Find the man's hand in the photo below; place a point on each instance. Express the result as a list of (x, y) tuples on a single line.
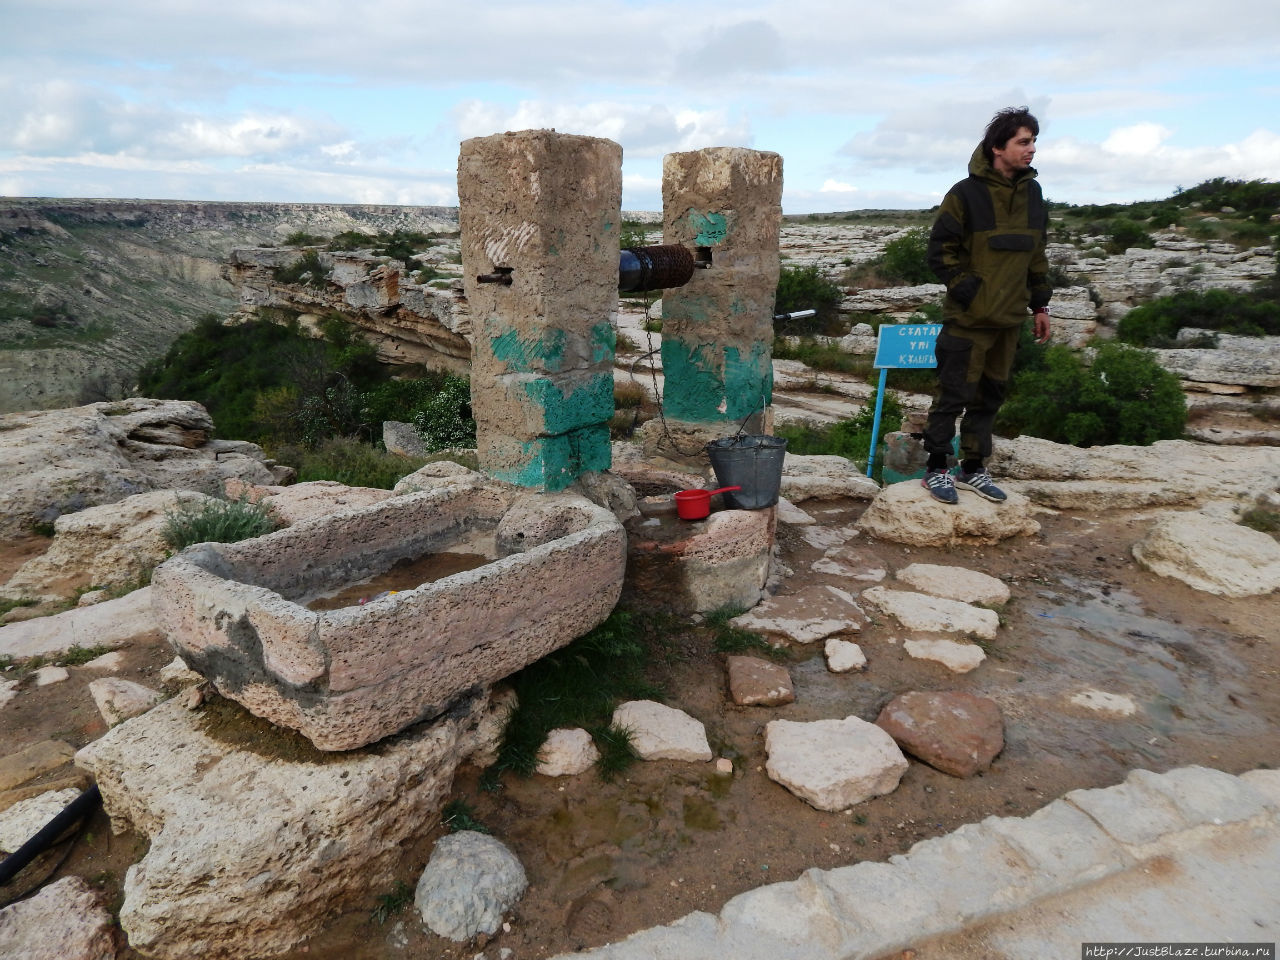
[(1041, 326)]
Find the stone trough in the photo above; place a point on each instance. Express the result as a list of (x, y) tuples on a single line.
[(346, 677)]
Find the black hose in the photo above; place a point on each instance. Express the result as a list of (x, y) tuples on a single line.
[(77, 809)]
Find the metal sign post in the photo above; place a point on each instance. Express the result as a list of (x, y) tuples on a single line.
[(900, 346)]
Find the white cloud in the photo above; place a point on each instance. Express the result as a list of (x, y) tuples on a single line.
[(835, 186), (1139, 140), (643, 130)]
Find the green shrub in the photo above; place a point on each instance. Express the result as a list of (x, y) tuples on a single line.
[(1156, 324), (576, 686), (351, 240), (850, 438), (306, 270), (635, 234), (805, 288), (445, 419), (821, 356), (349, 461), (1124, 397), (905, 259), (1123, 233), (300, 238), (216, 521)]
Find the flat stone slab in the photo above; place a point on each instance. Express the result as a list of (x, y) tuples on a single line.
[(346, 677), (659, 732), (812, 613), (833, 764), (32, 761), (907, 513), (952, 731), (256, 837), (66, 920), (759, 683), (22, 821), (843, 656), (955, 656), (1212, 554), (113, 623), (824, 477), (927, 614), (955, 583)]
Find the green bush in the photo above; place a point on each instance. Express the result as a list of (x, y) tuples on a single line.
[(349, 461), (905, 259), (300, 238), (1123, 233), (805, 288), (1124, 397), (216, 521), (445, 419), (306, 270), (850, 438), (1156, 324)]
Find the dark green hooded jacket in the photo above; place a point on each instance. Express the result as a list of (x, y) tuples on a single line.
[(987, 246)]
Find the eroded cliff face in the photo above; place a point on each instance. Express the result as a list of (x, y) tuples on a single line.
[(92, 289), (408, 322)]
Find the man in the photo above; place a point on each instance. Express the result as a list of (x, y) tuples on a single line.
[(987, 246)]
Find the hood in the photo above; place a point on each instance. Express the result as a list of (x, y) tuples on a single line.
[(981, 168)]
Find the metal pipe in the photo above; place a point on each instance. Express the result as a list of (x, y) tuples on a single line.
[(76, 810), (794, 315)]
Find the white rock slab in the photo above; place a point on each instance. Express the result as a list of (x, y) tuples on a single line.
[(471, 880), (955, 583), (906, 513), (177, 673), (8, 690), (110, 624), (65, 921), (824, 477), (567, 753), (119, 699), (812, 613), (843, 656), (788, 512), (26, 818), (47, 675), (955, 656), (832, 567), (659, 732), (926, 614), (833, 764), (108, 661), (1211, 554), (1115, 704)]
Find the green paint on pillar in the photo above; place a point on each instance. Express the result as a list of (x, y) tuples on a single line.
[(694, 382), (529, 355), (709, 228), (748, 384), (604, 344), (553, 463), (591, 403)]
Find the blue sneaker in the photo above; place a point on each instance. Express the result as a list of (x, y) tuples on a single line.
[(980, 482), (941, 485)]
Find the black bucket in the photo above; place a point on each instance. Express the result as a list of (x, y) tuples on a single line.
[(753, 463)]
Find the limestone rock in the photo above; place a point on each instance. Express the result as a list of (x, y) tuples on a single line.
[(26, 818), (437, 473), (110, 624), (1211, 554), (33, 760), (1099, 701), (107, 662), (471, 880), (1167, 473), (403, 438), (54, 462), (659, 732), (907, 513), (956, 657), (926, 614), (1247, 361), (955, 583), (8, 690), (47, 675), (176, 673), (843, 656), (824, 477), (813, 613), (108, 545), (253, 849), (758, 683), (567, 753), (316, 498), (957, 733), (120, 699), (64, 921), (833, 764), (788, 512)]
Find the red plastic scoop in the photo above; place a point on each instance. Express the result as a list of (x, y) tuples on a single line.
[(696, 504)]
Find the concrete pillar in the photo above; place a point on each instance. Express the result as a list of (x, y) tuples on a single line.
[(717, 330), (545, 207)]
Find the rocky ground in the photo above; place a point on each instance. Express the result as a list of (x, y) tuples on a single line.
[(1199, 673)]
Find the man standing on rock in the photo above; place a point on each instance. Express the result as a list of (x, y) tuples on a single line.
[(988, 247)]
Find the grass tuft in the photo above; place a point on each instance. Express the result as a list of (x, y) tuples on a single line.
[(731, 639), (617, 753), (460, 815), (218, 521), (389, 904)]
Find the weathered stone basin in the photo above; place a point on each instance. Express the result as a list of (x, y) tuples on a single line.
[(347, 677)]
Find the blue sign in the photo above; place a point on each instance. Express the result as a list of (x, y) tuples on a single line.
[(906, 345)]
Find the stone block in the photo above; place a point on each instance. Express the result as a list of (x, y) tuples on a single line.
[(833, 764), (758, 683), (347, 677), (955, 583), (659, 732), (906, 513), (64, 921), (952, 731), (927, 614), (1064, 848)]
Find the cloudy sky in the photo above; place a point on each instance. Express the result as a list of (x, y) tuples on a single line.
[(870, 104)]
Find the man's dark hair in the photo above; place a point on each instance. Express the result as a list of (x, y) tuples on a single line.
[(1005, 125)]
